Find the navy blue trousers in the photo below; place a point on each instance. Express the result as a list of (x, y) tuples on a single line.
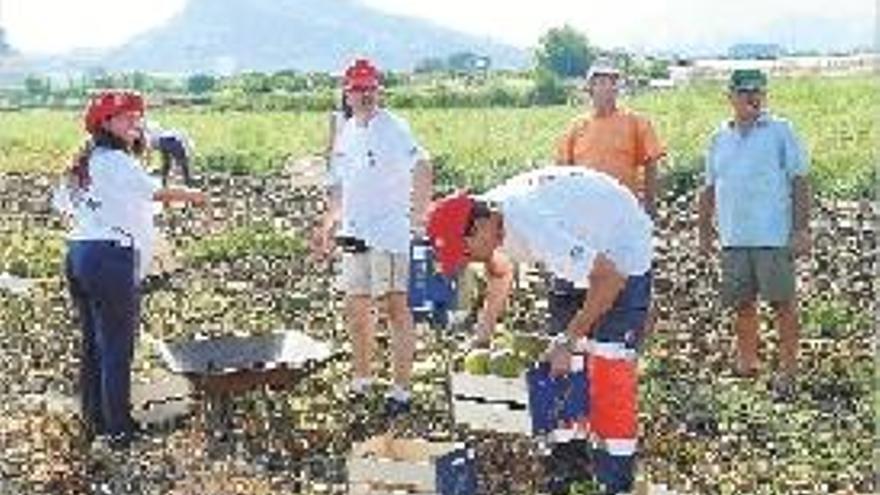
[(104, 287)]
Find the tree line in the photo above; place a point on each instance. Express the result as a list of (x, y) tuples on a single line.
[(462, 79)]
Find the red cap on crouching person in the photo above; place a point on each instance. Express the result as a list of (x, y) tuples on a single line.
[(108, 103), (362, 74), (447, 222)]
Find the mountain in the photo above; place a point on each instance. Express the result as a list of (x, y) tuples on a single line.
[(223, 36), (5, 49)]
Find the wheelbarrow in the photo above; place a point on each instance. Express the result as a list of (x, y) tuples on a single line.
[(222, 367), (237, 364)]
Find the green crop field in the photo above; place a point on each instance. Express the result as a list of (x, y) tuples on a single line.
[(837, 118), (244, 270)]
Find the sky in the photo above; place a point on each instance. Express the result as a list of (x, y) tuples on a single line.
[(634, 24), (72, 22)]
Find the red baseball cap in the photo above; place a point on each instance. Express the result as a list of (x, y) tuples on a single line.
[(361, 74), (108, 103), (447, 222)]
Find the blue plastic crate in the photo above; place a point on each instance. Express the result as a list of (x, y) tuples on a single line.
[(431, 294), (555, 400), (457, 473)]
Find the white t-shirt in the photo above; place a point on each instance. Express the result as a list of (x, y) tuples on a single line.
[(117, 205), (373, 164), (562, 217)]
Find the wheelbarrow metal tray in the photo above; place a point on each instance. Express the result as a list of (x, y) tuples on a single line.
[(237, 364), (290, 350)]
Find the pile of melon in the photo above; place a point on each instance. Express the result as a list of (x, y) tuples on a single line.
[(508, 356)]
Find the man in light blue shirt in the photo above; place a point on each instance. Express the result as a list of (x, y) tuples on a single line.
[(756, 188)]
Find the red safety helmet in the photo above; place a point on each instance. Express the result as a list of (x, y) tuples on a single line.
[(447, 222), (362, 74), (108, 103)]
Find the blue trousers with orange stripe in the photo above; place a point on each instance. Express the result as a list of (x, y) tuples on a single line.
[(611, 377)]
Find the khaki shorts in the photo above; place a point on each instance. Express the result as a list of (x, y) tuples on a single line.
[(374, 273), (748, 272)]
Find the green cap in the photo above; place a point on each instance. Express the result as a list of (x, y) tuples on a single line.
[(748, 79)]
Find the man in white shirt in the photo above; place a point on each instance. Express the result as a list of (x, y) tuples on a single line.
[(584, 227), (379, 190)]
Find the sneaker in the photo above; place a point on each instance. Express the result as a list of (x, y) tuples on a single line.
[(155, 283), (361, 387), (123, 440), (359, 403), (91, 429)]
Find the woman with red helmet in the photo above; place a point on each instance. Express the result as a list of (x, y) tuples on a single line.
[(109, 198)]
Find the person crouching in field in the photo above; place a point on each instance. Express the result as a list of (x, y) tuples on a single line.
[(109, 198), (380, 187), (586, 228), (175, 148)]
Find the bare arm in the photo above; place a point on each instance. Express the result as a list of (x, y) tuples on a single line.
[(423, 187), (564, 148), (499, 274), (705, 213), (331, 135), (333, 213), (802, 197), (321, 243), (651, 188), (606, 283)]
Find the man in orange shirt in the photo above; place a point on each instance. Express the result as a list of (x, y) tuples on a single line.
[(613, 140), (617, 142)]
